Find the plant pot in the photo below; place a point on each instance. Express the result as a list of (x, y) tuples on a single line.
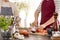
[(1, 38), (6, 35)]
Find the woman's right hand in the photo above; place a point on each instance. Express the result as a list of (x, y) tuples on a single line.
[(36, 23)]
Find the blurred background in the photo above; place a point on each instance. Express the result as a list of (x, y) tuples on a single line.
[(27, 8)]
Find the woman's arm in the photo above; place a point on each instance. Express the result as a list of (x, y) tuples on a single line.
[(15, 9), (36, 15)]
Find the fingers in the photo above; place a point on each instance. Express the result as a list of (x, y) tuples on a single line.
[(36, 23)]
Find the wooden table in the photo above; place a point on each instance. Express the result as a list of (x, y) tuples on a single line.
[(55, 38), (37, 37)]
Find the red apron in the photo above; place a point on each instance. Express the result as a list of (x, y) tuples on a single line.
[(47, 9)]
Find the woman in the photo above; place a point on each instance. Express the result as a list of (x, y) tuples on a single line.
[(7, 8), (47, 9)]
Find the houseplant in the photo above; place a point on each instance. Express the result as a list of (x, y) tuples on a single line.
[(5, 22)]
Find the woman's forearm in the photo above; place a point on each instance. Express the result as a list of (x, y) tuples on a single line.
[(36, 15)]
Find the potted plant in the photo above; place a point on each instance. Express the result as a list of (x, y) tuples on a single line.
[(5, 22)]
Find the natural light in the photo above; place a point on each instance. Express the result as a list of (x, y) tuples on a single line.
[(33, 4)]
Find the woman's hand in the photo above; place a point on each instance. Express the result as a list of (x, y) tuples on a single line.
[(36, 23)]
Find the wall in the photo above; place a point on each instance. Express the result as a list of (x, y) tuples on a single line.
[(57, 4)]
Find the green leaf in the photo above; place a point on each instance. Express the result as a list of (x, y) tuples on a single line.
[(5, 23)]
